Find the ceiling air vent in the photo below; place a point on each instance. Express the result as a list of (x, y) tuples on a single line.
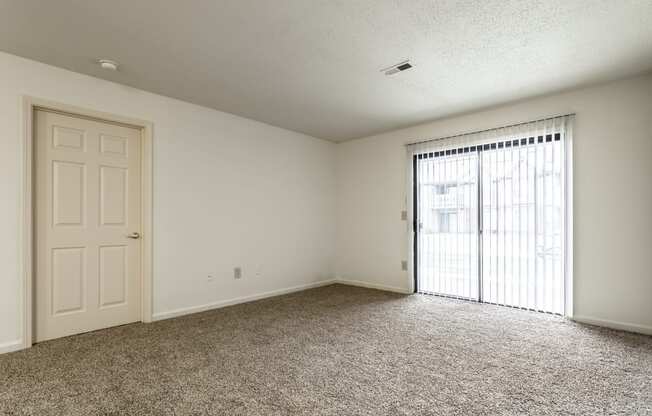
[(399, 67)]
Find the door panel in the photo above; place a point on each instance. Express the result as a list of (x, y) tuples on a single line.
[(113, 275), (68, 276), (68, 193), (522, 208), (87, 200), (66, 138), (113, 195), (448, 236), (113, 145)]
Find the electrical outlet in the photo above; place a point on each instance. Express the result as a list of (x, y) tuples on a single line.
[(237, 273), (209, 278), (404, 265), (404, 215)]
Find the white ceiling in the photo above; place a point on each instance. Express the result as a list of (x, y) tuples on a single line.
[(313, 66)]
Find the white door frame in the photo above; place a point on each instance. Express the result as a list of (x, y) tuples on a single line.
[(26, 222)]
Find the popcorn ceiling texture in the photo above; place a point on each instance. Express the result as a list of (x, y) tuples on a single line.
[(337, 350), (314, 66)]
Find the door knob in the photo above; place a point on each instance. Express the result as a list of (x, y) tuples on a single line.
[(135, 236)]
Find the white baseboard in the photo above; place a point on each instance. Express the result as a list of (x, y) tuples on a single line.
[(361, 283), (18, 345), (11, 346), (159, 316), (623, 326), (234, 301)]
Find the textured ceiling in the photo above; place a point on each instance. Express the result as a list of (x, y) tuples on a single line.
[(314, 66)]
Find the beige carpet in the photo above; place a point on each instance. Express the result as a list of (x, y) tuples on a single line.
[(337, 350)]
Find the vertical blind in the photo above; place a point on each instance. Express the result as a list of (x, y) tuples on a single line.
[(490, 215)]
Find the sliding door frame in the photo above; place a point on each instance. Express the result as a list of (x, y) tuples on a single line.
[(415, 225), (567, 238)]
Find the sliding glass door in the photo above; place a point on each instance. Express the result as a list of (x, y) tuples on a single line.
[(522, 226), (490, 220)]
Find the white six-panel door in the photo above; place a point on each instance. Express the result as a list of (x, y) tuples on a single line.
[(87, 216)]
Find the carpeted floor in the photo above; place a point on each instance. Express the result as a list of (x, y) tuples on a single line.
[(337, 350)]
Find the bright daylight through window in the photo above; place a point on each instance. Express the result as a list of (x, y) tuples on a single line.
[(490, 215)]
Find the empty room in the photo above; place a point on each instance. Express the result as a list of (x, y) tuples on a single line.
[(325, 207)]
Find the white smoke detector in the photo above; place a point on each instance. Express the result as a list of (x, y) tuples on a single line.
[(108, 64)]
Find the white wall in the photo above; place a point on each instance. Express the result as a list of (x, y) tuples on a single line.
[(228, 192), (612, 198)]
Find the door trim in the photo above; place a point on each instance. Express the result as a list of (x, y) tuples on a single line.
[(26, 222)]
